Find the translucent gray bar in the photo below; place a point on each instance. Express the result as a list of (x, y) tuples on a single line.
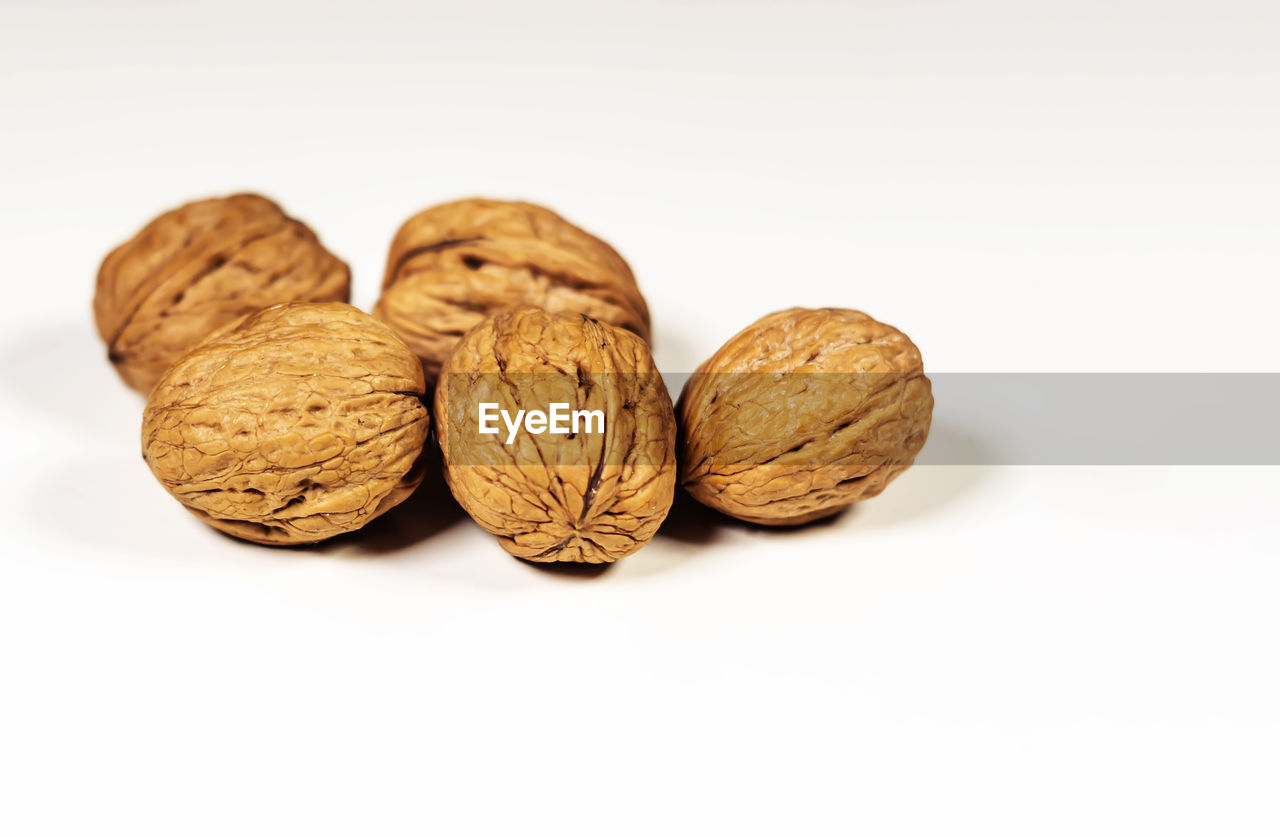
[(1100, 418)]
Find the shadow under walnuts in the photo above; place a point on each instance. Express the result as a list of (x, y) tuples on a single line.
[(431, 510), (690, 522), (427, 512), (931, 487), (569, 570)]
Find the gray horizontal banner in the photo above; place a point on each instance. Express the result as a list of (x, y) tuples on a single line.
[(808, 419), (1099, 418)]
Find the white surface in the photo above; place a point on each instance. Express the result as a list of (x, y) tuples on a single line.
[(1020, 186)]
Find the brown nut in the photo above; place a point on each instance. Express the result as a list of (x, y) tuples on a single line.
[(453, 265), (295, 424), (801, 414), (592, 494), (198, 267)]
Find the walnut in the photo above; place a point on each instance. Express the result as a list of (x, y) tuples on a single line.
[(452, 265), (594, 492), (801, 414), (201, 266), (292, 425)]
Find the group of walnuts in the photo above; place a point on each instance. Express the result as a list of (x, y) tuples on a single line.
[(280, 414)]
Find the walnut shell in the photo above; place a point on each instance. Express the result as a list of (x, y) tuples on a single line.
[(589, 496), (198, 267), (801, 414), (453, 265), (297, 423)]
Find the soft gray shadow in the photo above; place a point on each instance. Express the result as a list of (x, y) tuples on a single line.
[(691, 522), (112, 504), (694, 532), (689, 526), (62, 371), (922, 491), (930, 488), (687, 530), (571, 570), (960, 462), (428, 512)]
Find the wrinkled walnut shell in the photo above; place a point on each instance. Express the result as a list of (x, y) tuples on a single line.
[(802, 414), (588, 497), (199, 267), (296, 424), (455, 264)]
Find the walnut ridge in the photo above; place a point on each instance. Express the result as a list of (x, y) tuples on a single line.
[(801, 414), (586, 497), (198, 267), (452, 265), (292, 425)]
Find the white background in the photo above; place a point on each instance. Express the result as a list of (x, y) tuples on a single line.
[(1021, 186)]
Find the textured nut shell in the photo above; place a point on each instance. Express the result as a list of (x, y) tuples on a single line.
[(801, 414), (592, 498), (453, 265), (298, 423), (199, 267)]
